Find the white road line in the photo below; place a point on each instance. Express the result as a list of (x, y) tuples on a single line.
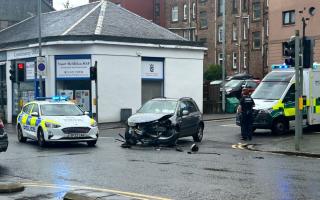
[(229, 125)]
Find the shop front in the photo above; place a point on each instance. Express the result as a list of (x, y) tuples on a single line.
[(73, 79)]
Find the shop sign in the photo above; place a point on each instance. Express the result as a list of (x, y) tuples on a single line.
[(73, 68), (23, 53), (152, 70), (3, 56)]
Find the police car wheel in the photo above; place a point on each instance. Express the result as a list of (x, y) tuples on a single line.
[(20, 135), (40, 136), (199, 135), (92, 143)]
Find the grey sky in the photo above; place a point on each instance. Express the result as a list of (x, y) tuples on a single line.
[(58, 4)]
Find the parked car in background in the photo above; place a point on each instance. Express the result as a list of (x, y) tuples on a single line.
[(164, 120), (242, 76), (250, 86), (3, 138)]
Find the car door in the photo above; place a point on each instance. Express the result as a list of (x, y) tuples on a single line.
[(33, 119), (184, 121), (23, 119), (289, 102), (194, 116)]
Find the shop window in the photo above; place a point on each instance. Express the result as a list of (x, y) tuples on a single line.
[(288, 17)]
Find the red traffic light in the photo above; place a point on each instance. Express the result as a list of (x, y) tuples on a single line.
[(20, 66)]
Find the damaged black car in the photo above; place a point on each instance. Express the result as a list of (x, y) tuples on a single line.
[(163, 121)]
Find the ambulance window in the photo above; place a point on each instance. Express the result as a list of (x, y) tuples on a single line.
[(290, 96)]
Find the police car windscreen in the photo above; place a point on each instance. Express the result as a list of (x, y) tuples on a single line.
[(60, 110)]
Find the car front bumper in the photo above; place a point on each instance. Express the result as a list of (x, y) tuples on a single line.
[(4, 142), (57, 135)]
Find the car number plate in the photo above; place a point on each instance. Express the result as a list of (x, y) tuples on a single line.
[(77, 135)]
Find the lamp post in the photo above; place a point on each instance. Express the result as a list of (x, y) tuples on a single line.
[(40, 49)]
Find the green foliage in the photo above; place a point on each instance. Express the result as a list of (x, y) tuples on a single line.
[(214, 72)]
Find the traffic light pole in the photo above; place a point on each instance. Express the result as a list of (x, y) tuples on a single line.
[(40, 48), (298, 94)]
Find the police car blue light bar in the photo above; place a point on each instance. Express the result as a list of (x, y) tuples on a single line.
[(54, 98), (281, 66)]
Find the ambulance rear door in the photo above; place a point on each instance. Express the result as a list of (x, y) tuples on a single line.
[(314, 110)]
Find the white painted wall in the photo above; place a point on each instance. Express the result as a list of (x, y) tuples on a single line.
[(184, 78)]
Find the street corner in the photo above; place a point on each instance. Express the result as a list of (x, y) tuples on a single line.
[(10, 187)]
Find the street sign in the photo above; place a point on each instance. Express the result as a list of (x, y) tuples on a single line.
[(41, 65)]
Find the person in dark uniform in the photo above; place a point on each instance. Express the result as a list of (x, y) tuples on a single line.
[(247, 104)]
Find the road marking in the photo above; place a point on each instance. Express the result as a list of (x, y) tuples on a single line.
[(229, 125), (119, 192)]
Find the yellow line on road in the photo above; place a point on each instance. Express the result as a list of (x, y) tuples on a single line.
[(123, 193)]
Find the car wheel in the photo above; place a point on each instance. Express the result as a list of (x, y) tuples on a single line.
[(92, 143), (21, 138), (41, 140), (199, 135), (280, 126)]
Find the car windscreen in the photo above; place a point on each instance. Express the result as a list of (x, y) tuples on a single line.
[(60, 110), (159, 106), (233, 83), (270, 90)]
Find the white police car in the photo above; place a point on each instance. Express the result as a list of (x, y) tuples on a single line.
[(56, 120)]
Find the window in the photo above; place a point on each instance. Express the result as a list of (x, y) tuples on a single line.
[(245, 60), (220, 33), (194, 10), (220, 61), (290, 96), (27, 108), (245, 5), (186, 34), (256, 10), (234, 60), (203, 19), (35, 108), (185, 12), (267, 2), (256, 40), (245, 28), (234, 32), (174, 14), (190, 106), (267, 27), (288, 17), (234, 6), (220, 8)]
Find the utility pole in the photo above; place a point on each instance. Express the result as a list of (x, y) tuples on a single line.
[(224, 55), (40, 48), (298, 94)]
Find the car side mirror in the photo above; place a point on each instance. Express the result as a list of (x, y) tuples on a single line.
[(35, 114), (185, 112), (86, 113)]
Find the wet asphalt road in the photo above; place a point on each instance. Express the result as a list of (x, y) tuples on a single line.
[(216, 172)]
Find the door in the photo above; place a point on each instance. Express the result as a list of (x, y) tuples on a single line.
[(289, 103), (25, 120), (151, 89), (188, 123), (33, 121)]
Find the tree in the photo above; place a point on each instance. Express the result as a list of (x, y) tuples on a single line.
[(214, 72)]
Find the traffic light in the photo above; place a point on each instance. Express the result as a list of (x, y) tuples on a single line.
[(93, 72), (308, 53), (20, 67), (12, 73), (289, 52)]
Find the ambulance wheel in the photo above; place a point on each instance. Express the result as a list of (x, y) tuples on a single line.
[(280, 126), (21, 138), (41, 140)]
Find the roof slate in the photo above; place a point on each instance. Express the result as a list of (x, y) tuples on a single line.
[(117, 23)]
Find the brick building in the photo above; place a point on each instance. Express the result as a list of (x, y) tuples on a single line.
[(285, 18), (152, 10), (246, 31)]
